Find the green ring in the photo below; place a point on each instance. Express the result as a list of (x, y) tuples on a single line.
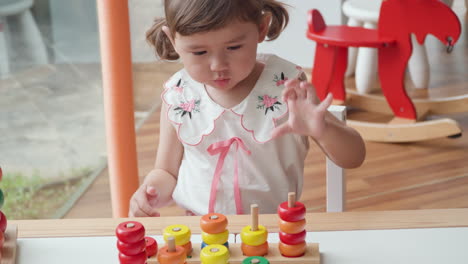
[(249, 260)]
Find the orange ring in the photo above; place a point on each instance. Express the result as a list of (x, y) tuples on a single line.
[(292, 250), (176, 257), (291, 227), (251, 251), (213, 226), (188, 248)]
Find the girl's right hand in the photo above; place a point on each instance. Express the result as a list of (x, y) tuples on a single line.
[(146, 200)]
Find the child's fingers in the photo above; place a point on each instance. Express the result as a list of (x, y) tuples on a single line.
[(286, 93), (141, 209), (296, 85), (291, 83), (144, 202), (323, 106), (290, 87), (281, 130), (301, 92), (311, 95), (290, 95), (151, 191)]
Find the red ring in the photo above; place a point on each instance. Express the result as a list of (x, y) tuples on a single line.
[(291, 214), (130, 235), (292, 239)]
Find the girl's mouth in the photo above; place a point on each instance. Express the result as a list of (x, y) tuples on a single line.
[(222, 81)]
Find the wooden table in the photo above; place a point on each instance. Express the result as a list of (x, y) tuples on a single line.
[(419, 236)]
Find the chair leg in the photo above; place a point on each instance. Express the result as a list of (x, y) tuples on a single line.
[(366, 67), (352, 52), (4, 63), (418, 65), (32, 37), (336, 178), (324, 66), (337, 80)]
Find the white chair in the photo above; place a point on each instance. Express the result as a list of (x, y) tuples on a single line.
[(27, 28), (363, 61)]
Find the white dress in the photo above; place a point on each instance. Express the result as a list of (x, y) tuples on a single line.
[(236, 145)]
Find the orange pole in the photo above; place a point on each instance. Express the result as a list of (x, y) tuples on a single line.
[(116, 59)]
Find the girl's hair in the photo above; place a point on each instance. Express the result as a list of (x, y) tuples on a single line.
[(188, 17)]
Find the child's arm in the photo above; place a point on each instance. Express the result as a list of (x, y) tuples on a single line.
[(156, 190), (307, 116)]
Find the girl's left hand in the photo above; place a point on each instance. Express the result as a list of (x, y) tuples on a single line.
[(306, 117)]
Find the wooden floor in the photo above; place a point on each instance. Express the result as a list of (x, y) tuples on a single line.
[(430, 174)]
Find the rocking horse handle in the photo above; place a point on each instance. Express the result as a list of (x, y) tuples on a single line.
[(315, 21)]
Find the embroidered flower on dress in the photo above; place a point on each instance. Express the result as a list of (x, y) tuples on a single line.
[(179, 87), (188, 107), (280, 80), (268, 103)]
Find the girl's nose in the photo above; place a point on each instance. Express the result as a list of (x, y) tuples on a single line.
[(219, 63)]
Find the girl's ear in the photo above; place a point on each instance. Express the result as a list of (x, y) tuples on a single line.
[(264, 26), (167, 31)]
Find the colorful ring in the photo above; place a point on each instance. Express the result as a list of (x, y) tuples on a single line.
[(214, 254), (181, 234), (254, 238), (260, 250), (291, 214), (213, 223), (219, 238)]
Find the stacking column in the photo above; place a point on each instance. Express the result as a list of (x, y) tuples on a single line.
[(131, 242), (292, 227), (254, 237), (181, 234), (214, 230)]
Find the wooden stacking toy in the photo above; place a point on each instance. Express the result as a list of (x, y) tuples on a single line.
[(253, 248), (181, 234), (172, 253), (254, 237), (291, 223), (131, 242), (214, 229)]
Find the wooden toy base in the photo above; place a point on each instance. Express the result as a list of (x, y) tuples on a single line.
[(406, 130), (9, 246), (311, 256)]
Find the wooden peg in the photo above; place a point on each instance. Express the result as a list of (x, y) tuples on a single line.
[(254, 215), (291, 199), (171, 245)]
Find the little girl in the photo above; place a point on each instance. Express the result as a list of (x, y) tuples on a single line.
[(234, 126)]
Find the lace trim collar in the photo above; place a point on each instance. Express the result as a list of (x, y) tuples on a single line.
[(194, 113)]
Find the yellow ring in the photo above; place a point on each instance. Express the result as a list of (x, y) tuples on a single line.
[(181, 234), (214, 254), (254, 238), (219, 238)]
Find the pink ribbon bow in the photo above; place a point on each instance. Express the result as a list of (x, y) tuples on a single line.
[(222, 148)]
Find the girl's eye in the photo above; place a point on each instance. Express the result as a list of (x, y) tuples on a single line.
[(198, 53), (235, 47)]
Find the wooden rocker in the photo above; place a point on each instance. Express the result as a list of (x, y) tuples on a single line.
[(397, 21)]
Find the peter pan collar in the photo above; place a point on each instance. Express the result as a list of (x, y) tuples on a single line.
[(194, 113)]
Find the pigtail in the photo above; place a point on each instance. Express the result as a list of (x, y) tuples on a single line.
[(159, 40), (279, 18)]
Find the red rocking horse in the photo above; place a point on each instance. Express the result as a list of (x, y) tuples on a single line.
[(397, 21)]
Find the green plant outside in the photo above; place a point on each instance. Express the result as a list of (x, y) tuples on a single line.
[(36, 197)]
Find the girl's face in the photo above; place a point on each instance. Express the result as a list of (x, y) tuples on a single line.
[(221, 58)]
